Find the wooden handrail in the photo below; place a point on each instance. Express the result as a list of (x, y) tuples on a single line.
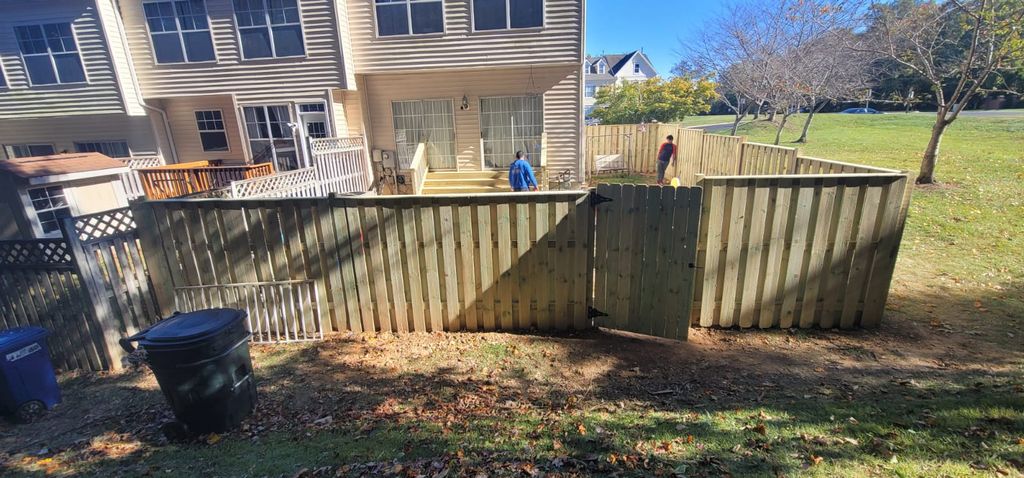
[(168, 182)]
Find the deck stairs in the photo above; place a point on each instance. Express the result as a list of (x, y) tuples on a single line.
[(466, 182)]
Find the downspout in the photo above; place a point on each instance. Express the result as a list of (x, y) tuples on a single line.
[(167, 128), (138, 87)]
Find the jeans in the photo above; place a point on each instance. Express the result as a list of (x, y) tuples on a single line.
[(662, 166)]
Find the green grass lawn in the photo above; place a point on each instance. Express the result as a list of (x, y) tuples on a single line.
[(707, 119), (938, 390)]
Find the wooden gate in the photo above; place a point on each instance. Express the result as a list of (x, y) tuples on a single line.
[(645, 258)]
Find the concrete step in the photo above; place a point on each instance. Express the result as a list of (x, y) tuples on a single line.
[(449, 189)]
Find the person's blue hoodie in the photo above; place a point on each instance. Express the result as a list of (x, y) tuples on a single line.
[(520, 175)]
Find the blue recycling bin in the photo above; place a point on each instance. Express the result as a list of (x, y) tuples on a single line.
[(28, 385)]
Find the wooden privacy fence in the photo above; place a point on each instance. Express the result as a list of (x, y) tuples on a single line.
[(482, 262), (798, 250)]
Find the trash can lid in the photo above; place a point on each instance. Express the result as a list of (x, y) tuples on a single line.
[(20, 335), (193, 325)]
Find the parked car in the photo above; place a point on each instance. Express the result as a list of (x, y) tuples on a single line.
[(861, 111)]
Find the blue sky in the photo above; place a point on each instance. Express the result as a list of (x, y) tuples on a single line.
[(657, 26)]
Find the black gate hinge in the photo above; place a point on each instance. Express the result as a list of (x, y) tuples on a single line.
[(596, 198), (594, 313)]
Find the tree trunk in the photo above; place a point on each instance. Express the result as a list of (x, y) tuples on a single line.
[(931, 153), (771, 115), (778, 132), (807, 122), (736, 123)]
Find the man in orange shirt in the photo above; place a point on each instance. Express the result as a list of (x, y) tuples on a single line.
[(666, 153)]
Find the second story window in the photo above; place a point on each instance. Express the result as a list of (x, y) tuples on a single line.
[(591, 91), (405, 17), (636, 68), (50, 54), (179, 31), (269, 28), (507, 14)]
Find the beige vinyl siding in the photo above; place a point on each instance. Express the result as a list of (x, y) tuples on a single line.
[(96, 195), (181, 116), (110, 20), (348, 113), (560, 86), (252, 80), (63, 132), (100, 95), (559, 41)]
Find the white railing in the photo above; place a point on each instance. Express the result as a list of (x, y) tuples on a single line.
[(284, 311), (341, 164), (290, 184), (130, 180)]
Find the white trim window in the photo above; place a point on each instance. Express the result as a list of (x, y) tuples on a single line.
[(601, 68), (271, 139), (50, 54), (409, 17), (50, 205), (28, 150), (431, 122), (179, 31), (113, 149), (590, 91), (509, 124), (507, 14), (636, 68), (212, 134), (269, 28)]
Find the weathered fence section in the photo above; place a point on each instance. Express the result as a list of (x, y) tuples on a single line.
[(799, 250), (644, 258), (39, 286), (284, 311), (392, 264), (110, 263)]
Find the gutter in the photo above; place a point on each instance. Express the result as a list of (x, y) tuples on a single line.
[(167, 128)]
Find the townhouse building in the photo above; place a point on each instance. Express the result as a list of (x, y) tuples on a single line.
[(603, 71), (253, 81)]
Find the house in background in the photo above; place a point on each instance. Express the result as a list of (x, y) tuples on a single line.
[(67, 84), (474, 81), (254, 81), (37, 192), (607, 70)]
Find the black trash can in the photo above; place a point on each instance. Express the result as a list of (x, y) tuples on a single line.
[(201, 360)]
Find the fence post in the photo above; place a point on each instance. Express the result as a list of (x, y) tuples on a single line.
[(99, 307)]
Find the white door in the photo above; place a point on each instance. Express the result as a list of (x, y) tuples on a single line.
[(271, 136), (314, 124)]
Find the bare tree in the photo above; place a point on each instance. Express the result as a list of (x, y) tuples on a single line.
[(825, 71), (961, 47)]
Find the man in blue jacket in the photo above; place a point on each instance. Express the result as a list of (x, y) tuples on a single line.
[(520, 174)]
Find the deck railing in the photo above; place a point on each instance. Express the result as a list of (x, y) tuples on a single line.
[(341, 164), (130, 180), (183, 179)]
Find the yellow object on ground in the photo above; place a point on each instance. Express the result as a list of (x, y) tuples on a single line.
[(675, 182)]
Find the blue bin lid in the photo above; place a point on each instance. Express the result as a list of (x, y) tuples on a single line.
[(19, 335), (193, 325)]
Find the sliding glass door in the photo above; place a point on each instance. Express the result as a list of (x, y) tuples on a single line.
[(431, 122), (509, 124), (271, 139)]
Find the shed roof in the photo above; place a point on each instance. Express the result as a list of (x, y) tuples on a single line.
[(55, 167)]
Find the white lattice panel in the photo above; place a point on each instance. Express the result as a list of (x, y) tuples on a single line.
[(94, 227), (272, 185), (334, 145)]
